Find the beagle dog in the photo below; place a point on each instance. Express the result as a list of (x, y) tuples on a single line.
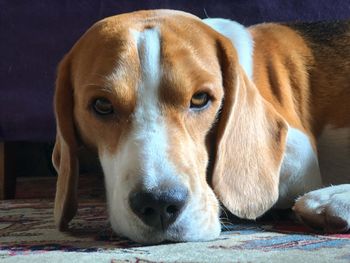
[(185, 113)]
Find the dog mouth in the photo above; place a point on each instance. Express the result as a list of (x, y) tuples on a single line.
[(187, 228), (184, 229), (168, 233), (152, 236)]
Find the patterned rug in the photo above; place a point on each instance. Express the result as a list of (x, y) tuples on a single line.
[(28, 234)]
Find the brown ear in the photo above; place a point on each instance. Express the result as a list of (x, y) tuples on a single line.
[(64, 156), (250, 143)]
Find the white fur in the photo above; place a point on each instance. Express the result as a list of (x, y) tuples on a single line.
[(142, 158), (240, 38), (149, 134), (334, 155), (324, 204), (299, 172)]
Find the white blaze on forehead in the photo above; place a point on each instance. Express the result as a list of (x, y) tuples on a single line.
[(149, 132), (148, 47)]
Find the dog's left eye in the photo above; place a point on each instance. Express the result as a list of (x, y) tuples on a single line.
[(102, 106), (199, 100)]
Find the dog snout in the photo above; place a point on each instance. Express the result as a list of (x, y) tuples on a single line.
[(159, 208)]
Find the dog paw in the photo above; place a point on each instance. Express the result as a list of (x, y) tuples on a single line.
[(326, 209)]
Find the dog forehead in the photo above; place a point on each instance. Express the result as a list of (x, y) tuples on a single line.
[(115, 52), (111, 39), (176, 28)]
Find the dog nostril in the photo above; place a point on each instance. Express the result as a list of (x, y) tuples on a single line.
[(172, 209), (149, 211)]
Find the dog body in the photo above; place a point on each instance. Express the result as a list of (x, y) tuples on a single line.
[(302, 69), (169, 102)]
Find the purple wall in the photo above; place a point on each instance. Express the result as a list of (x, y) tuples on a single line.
[(35, 34)]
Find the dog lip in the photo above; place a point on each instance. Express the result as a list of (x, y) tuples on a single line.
[(150, 235)]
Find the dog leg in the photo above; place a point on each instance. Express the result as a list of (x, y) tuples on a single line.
[(326, 209)]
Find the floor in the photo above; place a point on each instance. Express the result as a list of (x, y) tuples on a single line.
[(28, 234)]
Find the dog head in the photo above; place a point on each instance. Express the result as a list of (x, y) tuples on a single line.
[(160, 95)]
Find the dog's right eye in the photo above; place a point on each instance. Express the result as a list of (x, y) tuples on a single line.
[(103, 106)]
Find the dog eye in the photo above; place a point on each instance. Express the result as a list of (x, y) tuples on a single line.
[(103, 106), (199, 100)]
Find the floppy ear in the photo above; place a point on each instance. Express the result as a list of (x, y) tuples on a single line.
[(250, 143), (64, 155)]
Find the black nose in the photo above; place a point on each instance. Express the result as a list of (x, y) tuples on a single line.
[(159, 207)]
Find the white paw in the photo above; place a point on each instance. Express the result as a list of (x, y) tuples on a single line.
[(326, 209)]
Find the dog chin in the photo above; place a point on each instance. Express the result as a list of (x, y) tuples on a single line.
[(174, 233), (146, 236)]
